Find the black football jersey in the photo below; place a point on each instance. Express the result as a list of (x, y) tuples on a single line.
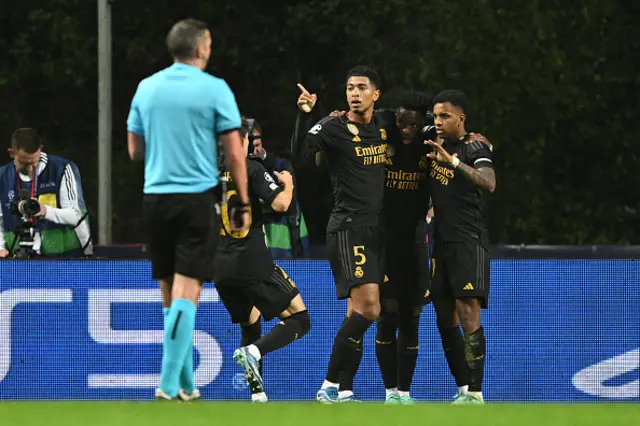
[(458, 202), (243, 256), (406, 188), (356, 155)]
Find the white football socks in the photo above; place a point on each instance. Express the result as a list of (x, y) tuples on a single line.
[(253, 350), (326, 384)]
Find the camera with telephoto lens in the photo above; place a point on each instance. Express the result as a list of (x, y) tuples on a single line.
[(26, 208)]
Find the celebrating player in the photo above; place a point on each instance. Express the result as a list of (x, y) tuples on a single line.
[(460, 175), (356, 155), (406, 284), (247, 280), (405, 288)]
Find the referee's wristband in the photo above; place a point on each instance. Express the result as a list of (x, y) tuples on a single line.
[(454, 162)]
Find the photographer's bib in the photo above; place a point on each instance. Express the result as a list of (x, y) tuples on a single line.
[(55, 239)]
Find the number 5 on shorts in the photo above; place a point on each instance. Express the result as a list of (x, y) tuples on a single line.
[(358, 252)]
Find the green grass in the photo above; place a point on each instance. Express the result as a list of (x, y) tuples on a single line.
[(303, 414)]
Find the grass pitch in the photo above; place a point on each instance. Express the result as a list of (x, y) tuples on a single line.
[(302, 414)]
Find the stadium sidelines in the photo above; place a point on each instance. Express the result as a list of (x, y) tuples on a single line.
[(558, 331)]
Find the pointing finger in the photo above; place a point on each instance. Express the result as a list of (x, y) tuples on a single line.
[(302, 89)]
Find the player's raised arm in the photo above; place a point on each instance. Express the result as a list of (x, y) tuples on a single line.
[(305, 141)]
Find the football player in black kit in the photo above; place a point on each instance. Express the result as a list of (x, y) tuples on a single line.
[(405, 206), (247, 280), (355, 151), (461, 174), (405, 287)]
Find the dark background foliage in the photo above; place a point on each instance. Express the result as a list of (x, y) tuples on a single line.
[(552, 84)]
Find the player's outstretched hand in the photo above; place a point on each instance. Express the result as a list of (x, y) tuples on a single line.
[(480, 138), (284, 178), (439, 153), (4, 253), (306, 100)]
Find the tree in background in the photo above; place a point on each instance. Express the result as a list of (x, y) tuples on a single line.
[(552, 84)]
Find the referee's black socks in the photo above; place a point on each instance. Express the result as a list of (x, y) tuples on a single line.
[(454, 351), (475, 348), (347, 349), (290, 329)]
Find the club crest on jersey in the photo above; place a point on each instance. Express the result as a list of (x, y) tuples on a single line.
[(423, 163), (354, 131), (391, 151), (383, 134)]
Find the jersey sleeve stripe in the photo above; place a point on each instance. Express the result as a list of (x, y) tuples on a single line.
[(477, 145), (326, 120)]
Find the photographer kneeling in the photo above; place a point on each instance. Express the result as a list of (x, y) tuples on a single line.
[(43, 211)]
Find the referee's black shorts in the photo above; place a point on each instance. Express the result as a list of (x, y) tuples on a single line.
[(183, 232), (271, 296), (356, 256)]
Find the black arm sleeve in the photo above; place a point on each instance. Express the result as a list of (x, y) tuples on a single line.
[(307, 140), (303, 124), (479, 155), (261, 183)]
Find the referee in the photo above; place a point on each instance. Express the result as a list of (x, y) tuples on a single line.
[(174, 118)]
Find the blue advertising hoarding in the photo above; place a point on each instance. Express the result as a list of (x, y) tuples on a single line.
[(557, 331)]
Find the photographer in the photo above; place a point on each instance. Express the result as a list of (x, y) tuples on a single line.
[(42, 206), (286, 233)]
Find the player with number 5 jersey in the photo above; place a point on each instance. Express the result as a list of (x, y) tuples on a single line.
[(356, 153)]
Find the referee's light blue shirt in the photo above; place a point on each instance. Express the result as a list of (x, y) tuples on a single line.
[(179, 111)]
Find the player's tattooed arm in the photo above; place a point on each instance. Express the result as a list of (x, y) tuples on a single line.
[(484, 177)]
